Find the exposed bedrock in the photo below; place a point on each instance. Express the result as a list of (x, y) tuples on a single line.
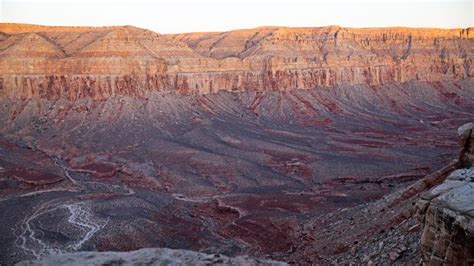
[(466, 140), (148, 256), (62, 62), (447, 212)]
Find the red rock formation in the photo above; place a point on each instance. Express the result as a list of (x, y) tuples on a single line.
[(75, 62)]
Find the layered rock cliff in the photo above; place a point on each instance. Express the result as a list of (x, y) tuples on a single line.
[(447, 212), (76, 62)]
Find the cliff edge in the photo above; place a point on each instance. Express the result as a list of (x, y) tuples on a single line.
[(447, 212), (78, 62)]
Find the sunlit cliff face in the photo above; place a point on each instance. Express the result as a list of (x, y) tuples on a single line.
[(55, 62)]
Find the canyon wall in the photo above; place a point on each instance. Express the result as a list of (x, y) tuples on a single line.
[(76, 62)]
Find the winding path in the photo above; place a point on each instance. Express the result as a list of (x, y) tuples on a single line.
[(30, 240)]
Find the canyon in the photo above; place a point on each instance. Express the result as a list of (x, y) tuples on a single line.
[(55, 62), (302, 145)]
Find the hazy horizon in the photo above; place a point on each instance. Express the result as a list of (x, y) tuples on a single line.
[(207, 16)]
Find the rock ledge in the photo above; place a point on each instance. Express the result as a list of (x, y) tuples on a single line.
[(447, 212), (147, 256)]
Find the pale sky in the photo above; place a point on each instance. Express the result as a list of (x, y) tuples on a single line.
[(168, 16)]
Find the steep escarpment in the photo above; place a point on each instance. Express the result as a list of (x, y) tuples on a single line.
[(77, 62)]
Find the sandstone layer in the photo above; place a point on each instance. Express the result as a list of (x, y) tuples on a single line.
[(77, 62), (447, 212)]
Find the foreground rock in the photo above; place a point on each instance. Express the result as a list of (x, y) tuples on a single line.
[(448, 212), (466, 140), (147, 256)]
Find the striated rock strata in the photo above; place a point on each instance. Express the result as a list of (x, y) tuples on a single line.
[(77, 62), (448, 212)]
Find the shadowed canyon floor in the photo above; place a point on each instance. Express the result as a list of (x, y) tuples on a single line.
[(260, 173)]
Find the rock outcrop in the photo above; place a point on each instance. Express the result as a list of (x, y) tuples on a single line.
[(76, 62), (447, 212), (466, 140), (147, 256)]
